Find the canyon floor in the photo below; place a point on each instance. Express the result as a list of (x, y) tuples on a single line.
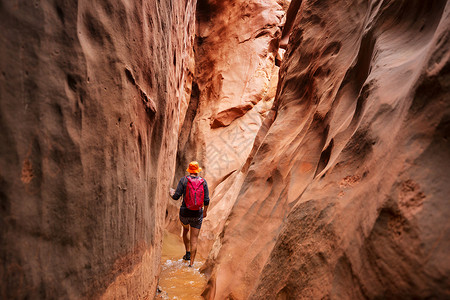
[(177, 280)]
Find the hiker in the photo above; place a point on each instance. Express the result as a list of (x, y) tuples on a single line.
[(195, 194)]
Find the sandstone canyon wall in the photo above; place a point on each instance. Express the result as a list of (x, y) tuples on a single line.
[(90, 98), (345, 193), (329, 181)]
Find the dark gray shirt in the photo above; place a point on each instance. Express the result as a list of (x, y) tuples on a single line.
[(181, 191)]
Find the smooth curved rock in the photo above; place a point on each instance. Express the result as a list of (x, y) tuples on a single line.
[(335, 188), (89, 108), (346, 196), (234, 58)]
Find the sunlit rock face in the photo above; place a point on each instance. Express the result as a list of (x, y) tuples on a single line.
[(233, 90), (234, 82), (346, 194), (90, 95)]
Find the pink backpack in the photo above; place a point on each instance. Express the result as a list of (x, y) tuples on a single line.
[(194, 193)]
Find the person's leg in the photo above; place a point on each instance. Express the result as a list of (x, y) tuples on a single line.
[(186, 237), (194, 239)]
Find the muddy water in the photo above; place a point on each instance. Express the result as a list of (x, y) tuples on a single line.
[(177, 280)]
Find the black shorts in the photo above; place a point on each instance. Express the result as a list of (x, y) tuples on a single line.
[(195, 222)]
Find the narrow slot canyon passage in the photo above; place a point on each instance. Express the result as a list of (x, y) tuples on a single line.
[(321, 128)]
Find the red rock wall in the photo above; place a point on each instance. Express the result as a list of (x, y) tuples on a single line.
[(89, 119), (340, 191), (345, 196)]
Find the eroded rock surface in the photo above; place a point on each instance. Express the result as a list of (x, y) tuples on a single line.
[(235, 78), (336, 189), (90, 95), (345, 196)]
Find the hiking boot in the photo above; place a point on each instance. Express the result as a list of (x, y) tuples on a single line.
[(187, 256)]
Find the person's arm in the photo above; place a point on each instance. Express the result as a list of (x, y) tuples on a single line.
[(205, 199), (179, 191)]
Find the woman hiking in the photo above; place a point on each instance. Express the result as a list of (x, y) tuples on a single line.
[(195, 195)]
